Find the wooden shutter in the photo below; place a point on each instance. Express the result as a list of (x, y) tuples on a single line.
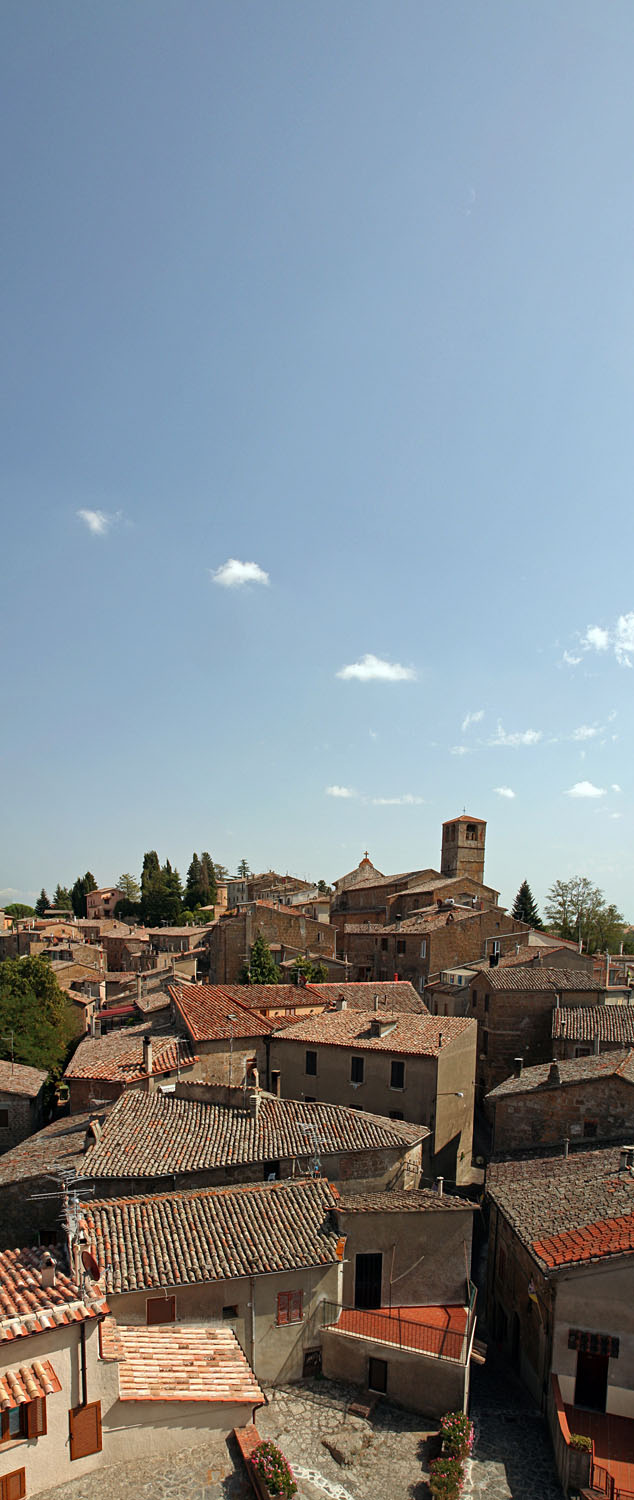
[(282, 1307), (85, 1430), (13, 1486), (36, 1418), (295, 1309), (160, 1310)]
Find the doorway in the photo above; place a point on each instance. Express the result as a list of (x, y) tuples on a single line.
[(377, 1375), (591, 1385), (367, 1280)]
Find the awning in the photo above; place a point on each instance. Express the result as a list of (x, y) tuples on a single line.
[(27, 1383)]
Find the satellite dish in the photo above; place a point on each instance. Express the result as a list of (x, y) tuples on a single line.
[(90, 1265)]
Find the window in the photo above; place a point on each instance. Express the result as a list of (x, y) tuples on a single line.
[(160, 1310), (396, 1114), (486, 1003), (472, 833), (397, 1074), (377, 1375), (311, 1064), (230, 1312), (26, 1420), (384, 945), (485, 1043), (289, 1307), (310, 1098), (356, 1069), (4, 1118), (270, 1171), (13, 1486), (474, 999), (590, 1127), (400, 945), (423, 948), (85, 1430)]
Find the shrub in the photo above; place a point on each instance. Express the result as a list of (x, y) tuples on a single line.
[(456, 1432), (579, 1440), (270, 1463), (446, 1476)]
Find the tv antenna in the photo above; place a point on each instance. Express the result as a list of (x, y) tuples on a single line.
[(317, 1140)]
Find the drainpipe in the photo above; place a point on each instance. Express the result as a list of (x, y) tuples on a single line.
[(82, 1350), (252, 1321)]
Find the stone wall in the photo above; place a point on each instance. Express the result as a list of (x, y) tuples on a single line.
[(599, 1107)]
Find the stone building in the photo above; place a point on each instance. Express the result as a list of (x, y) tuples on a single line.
[(229, 1036), (406, 1066), (102, 903), (513, 1008), (578, 1031), (21, 1102), (288, 933), (139, 1057), (418, 948), (583, 1098)]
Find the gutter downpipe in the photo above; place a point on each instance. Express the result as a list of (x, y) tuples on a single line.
[(84, 1378), (252, 1321)]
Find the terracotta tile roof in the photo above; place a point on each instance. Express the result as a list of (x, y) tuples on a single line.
[(400, 1200), (16, 1078), (582, 1023), (569, 1071), (546, 1196), (27, 1384), (159, 1135), (119, 1055), (58, 1145), (212, 1234), (259, 996), (430, 919), (396, 995), (26, 1307), (537, 977), (174, 1363), (410, 1035), (355, 928), (593, 1242), (206, 1008)]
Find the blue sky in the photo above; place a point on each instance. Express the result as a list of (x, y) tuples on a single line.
[(344, 292)]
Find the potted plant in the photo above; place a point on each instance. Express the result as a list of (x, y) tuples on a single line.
[(446, 1476), (456, 1431), (579, 1460), (273, 1473)]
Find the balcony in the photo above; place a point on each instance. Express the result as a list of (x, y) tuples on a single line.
[(440, 1332)]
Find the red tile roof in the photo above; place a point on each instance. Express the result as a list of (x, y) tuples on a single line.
[(27, 1384), (119, 1055), (26, 1307), (582, 1023), (594, 1242), (16, 1078), (533, 977), (563, 1074), (411, 1035), (206, 1010), (551, 1197), (174, 1363), (395, 995)]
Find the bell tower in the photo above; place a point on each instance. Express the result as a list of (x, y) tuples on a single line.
[(462, 853)]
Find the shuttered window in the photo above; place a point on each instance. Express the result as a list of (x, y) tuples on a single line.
[(26, 1420), (290, 1307), (85, 1430), (36, 1418), (160, 1310), (13, 1486)]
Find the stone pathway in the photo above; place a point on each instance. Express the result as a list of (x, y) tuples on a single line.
[(512, 1454)]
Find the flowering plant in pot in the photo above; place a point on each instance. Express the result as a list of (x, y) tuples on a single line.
[(456, 1432), (446, 1476), (274, 1470)]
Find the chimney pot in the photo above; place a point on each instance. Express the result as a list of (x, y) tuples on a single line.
[(147, 1054), (440, 1181), (554, 1076), (518, 1063)]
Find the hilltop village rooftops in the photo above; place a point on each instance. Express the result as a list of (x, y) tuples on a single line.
[(159, 1135), (405, 1035), (173, 1363), (584, 1023), (563, 1074), (27, 1306), (399, 1200), (538, 978), (17, 1078), (118, 1056), (211, 1014), (392, 995), (567, 1209), (212, 1234)]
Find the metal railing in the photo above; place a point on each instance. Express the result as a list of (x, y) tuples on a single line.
[(605, 1483), (396, 1328)]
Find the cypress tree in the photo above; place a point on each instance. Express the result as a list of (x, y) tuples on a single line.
[(42, 904), (261, 968), (524, 907)]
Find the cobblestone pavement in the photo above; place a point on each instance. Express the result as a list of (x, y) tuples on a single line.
[(386, 1455)]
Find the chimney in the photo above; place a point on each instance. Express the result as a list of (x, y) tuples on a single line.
[(623, 1159), (596, 1046), (518, 1064), (93, 1134), (47, 1273), (95, 1026), (376, 1003), (566, 1146), (342, 1003), (254, 1098), (554, 1076), (517, 948), (138, 986), (147, 1054), (440, 1182)]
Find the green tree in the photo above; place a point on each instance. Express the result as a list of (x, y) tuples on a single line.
[(194, 884), (17, 909), (82, 886), (243, 869), (62, 898), (209, 879), (129, 887), (42, 904), (577, 910), (221, 872), (261, 968), (524, 907), (35, 1010), (324, 890), (311, 973)]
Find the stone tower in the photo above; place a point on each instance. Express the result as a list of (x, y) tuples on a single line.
[(463, 847)]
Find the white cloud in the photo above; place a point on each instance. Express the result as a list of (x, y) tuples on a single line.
[(614, 815), (340, 791), (619, 637), (615, 787), (373, 734), (233, 574), (570, 660), (586, 732), (585, 789), (504, 791), (407, 800), (374, 669), (459, 750), (97, 521), (473, 718), (596, 638), (522, 737)]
